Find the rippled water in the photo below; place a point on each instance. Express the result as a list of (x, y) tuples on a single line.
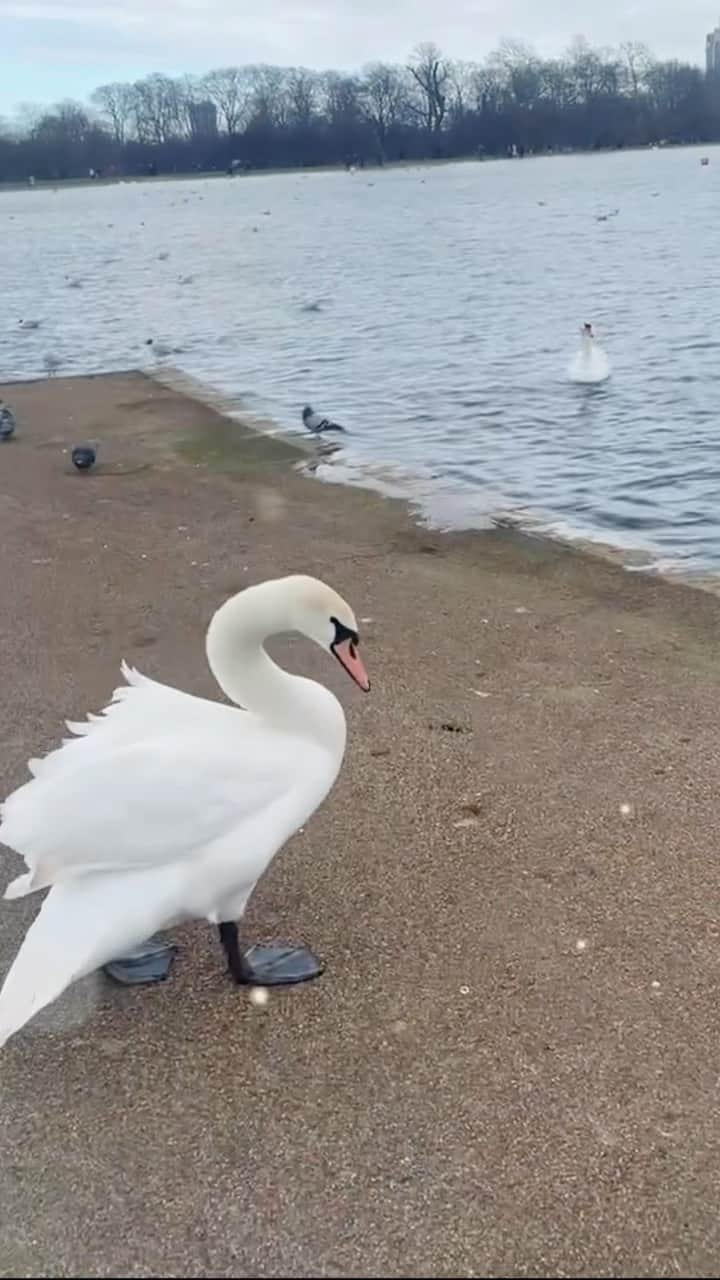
[(449, 303)]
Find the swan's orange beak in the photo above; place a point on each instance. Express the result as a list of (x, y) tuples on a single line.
[(346, 653)]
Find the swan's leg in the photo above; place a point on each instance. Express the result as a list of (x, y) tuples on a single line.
[(229, 938), (150, 962), (274, 965)]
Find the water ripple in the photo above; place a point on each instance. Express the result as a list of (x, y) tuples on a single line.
[(434, 313)]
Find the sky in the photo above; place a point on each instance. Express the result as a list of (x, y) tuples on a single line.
[(55, 49)]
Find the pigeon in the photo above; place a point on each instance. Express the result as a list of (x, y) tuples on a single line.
[(83, 457), (7, 422), (316, 423)]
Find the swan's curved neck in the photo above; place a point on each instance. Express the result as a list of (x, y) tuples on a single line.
[(248, 676)]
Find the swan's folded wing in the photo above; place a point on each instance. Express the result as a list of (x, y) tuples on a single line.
[(162, 800), (134, 712)]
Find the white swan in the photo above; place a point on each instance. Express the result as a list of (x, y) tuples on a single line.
[(590, 364), (169, 806)]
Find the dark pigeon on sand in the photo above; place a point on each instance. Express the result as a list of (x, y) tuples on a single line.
[(7, 422), (83, 457), (316, 423)]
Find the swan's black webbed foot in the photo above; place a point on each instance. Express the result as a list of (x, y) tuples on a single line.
[(267, 965)]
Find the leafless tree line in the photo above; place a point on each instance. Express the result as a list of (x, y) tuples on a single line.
[(431, 107)]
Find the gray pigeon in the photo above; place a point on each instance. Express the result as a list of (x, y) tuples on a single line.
[(83, 457), (7, 422), (316, 423)]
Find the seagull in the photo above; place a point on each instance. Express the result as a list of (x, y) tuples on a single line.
[(74, 282), (316, 423), (7, 422), (27, 325), (51, 363), (83, 457)]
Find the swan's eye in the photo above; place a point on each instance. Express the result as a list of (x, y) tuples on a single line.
[(343, 633)]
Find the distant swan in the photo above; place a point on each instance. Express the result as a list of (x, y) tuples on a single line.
[(590, 364)]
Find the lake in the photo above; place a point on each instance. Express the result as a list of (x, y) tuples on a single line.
[(446, 306)]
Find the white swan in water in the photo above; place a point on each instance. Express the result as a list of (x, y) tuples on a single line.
[(168, 806), (590, 363)]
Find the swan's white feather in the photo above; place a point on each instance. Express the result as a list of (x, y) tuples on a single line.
[(124, 794), (80, 925)]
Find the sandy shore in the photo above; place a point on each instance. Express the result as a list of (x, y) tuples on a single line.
[(510, 1065)]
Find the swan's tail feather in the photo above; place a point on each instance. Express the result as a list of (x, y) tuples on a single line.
[(81, 925)]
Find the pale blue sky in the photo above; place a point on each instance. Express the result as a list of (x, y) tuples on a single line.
[(53, 49)]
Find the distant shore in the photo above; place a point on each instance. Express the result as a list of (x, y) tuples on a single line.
[(62, 184)]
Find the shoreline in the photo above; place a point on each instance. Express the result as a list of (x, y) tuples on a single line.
[(61, 184), (630, 559), (509, 1065), (303, 448)]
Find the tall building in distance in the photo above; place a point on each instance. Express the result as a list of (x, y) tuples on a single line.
[(203, 118), (712, 52)]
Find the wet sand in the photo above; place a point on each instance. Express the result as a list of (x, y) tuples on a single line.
[(510, 1065)]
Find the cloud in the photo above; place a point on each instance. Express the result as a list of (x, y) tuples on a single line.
[(138, 36)]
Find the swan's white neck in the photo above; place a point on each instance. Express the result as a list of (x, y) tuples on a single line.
[(249, 677)]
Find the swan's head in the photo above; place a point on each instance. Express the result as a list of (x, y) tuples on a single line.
[(323, 616)]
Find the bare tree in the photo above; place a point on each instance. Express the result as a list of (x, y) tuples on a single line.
[(636, 60), (461, 81), (487, 88), (156, 108), (229, 88), (302, 93), (384, 98), (594, 74), (115, 102), (518, 68), (430, 107), (341, 96), (269, 97), (26, 117), (430, 73)]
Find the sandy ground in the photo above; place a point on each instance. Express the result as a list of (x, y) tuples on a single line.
[(510, 1067)]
